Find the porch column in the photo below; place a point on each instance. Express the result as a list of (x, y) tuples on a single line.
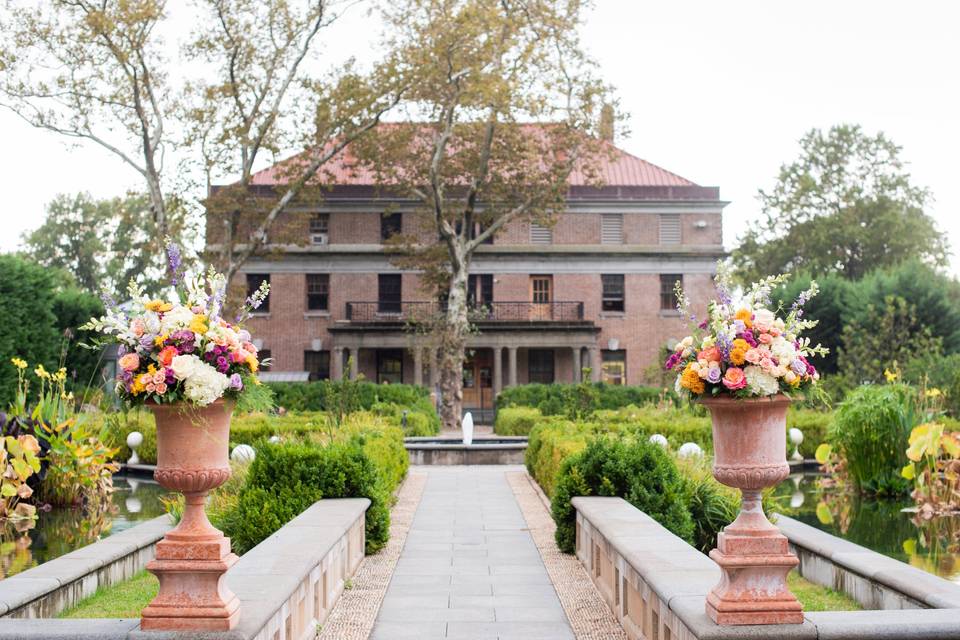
[(417, 366), (336, 365), (497, 370), (512, 362), (575, 359), (354, 362), (434, 369), (596, 364)]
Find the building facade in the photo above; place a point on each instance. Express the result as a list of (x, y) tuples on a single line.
[(595, 290)]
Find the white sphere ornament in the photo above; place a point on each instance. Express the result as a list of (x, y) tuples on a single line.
[(796, 500), (133, 505), (274, 439), (796, 438), (690, 450), (660, 439), (243, 453), (134, 440)]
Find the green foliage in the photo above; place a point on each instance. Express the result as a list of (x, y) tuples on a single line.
[(121, 600), (19, 457), (552, 441), (286, 478), (79, 467), (813, 424), (871, 431), (831, 307), (880, 340), (516, 421), (712, 505), (29, 326), (575, 400), (641, 473), (73, 308), (678, 425), (847, 206), (940, 372)]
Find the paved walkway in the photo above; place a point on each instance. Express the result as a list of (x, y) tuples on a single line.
[(469, 568)]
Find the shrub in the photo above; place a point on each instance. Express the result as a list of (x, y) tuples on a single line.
[(641, 473), (712, 506), (813, 424), (870, 431), (516, 421), (551, 442), (285, 479), (575, 400), (941, 372), (678, 425), (309, 396)]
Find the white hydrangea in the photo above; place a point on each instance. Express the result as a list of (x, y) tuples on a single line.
[(177, 318), (761, 383), (783, 350), (184, 365), (205, 384)]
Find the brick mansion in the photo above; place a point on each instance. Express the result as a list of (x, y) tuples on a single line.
[(595, 290)]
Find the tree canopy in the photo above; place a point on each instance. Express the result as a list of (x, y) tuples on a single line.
[(847, 205)]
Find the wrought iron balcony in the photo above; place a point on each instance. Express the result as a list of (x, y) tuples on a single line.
[(425, 312)]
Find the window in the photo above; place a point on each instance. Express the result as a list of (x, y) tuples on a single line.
[(318, 292), (611, 228), (320, 223), (480, 290), (668, 294), (318, 364), (389, 292), (540, 365), (670, 228), (612, 292), (390, 224), (253, 283), (540, 289), (389, 366), (540, 234), (614, 368), (265, 358)]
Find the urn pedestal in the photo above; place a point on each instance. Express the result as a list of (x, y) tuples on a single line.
[(193, 558), (750, 454)]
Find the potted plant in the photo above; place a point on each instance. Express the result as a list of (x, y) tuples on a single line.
[(743, 363), (181, 359)]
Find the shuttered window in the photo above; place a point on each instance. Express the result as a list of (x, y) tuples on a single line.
[(611, 228), (540, 235), (670, 228)]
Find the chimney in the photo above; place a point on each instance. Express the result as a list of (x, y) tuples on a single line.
[(606, 122)]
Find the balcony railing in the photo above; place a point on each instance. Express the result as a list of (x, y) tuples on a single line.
[(424, 312)]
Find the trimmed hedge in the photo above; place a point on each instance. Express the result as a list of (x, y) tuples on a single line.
[(312, 396), (574, 400), (516, 421), (641, 473), (249, 428)]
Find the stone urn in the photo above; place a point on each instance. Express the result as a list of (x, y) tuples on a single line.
[(193, 558), (750, 454)]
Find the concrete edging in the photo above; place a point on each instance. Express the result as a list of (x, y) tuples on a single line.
[(47, 589), (656, 584), (287, 584)]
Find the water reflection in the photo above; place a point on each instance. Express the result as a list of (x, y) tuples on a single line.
[(877, 524), (61, 531)]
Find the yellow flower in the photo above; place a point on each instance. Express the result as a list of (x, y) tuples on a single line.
[(158, 306), (738, 354), (60, 375), (890, 375), (159, 340), (18, 363), (746, 317), (933, 392), (41, 372), (690, 379), (199, 324), (252, 363)]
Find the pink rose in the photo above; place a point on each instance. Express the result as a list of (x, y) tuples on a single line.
[(162, 388), (130, 362), (765, 338), (754, 356), (137, 327), (734, 379), (766, 364)]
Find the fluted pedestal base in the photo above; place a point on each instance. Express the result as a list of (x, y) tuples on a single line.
[(753, 587)]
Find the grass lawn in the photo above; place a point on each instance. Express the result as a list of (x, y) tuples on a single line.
[(817, 598), (121, 600)]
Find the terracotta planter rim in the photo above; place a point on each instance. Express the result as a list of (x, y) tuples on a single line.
[(779, 398), (183, 405)]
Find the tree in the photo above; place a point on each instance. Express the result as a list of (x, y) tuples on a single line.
[(845, 206), (27, 323), (888, 337), (509, 107), (94, 71), (835, 305), (73, 308), (262, 101), (104, 243)]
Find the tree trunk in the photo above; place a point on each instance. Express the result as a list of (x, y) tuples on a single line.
[(453, 339)]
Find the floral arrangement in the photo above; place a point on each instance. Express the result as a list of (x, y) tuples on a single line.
[(744, 349), (181, 349)]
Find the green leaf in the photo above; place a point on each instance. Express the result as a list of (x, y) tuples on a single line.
[(910, 546), (908, 472), (823, 513), (7, 490), (823, 453)]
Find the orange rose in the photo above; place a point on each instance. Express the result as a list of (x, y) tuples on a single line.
[(167, 355), (130, 362), (710, 355)]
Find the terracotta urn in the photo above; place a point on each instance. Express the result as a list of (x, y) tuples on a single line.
[(750, 454), (193, 558)]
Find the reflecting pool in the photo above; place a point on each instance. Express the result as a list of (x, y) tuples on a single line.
[(877, 524)]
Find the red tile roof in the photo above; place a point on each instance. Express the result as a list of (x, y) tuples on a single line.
[(618, 169)]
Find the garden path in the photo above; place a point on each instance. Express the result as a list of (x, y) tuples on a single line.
[(470, 568)]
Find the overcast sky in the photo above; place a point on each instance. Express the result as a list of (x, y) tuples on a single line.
[(718, 92)]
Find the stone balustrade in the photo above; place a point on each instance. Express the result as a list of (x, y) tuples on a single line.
[(656, 585), (287, 584)]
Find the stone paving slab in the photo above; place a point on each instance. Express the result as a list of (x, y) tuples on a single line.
[(469, 568)]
